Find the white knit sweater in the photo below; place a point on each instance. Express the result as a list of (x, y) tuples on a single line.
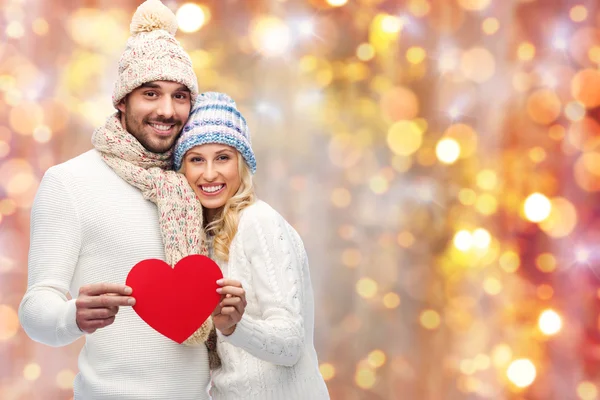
[(270, 355), (87, 226)]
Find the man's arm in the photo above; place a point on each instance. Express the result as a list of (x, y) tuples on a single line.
[(45, 313)]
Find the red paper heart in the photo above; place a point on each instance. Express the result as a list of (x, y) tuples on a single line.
[(175, 301)]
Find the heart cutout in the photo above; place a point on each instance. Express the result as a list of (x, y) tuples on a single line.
[(175, 301)]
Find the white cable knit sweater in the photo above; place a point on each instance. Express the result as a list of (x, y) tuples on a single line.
[(270, 355), (88, 226)]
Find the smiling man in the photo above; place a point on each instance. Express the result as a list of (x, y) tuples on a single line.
[(155, 112), (90, 226)]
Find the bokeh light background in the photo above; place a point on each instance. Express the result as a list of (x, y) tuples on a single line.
[(440, 158)]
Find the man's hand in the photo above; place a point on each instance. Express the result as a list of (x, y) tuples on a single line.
[(98, 303), (232, 306)]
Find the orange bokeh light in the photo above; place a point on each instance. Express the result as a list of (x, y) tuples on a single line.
[(543, 106)]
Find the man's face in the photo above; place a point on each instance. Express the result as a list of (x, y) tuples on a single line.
[(155, 113)]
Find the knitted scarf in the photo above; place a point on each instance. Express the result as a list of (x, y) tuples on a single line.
[(180, 212)]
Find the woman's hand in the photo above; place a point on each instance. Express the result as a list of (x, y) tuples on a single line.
[(232, 306)]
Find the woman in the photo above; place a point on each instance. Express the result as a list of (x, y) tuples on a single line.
[(269, 353)]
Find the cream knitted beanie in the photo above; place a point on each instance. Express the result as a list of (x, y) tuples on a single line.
[(153, 53)]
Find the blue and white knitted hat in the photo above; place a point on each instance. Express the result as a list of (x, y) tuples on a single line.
[(215, 119)]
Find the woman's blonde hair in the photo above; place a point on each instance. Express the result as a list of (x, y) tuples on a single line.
[(225, 226)]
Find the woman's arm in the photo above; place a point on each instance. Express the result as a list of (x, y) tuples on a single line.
[(278, 335)]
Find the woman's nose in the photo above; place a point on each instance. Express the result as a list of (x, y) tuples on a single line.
[(210, 173)]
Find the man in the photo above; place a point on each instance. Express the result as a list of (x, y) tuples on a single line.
[(90, 226)]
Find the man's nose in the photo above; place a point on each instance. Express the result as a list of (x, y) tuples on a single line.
[(165, 107)]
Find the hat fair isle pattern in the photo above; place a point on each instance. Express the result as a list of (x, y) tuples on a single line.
[(215, 119), (153, 53)]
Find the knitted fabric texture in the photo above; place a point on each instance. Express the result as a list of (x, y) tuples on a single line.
[(153, 53), (215, 119), (214, 361), (180, 212)]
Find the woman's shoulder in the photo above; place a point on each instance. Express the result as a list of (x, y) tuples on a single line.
[(261, 213), (260, 209), (260, 220)]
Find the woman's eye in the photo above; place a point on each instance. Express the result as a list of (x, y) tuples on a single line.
[(195, 159), (223, 158)]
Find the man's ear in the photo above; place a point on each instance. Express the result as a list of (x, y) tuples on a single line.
[(121, 105)]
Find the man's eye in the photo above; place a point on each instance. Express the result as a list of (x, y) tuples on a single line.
[(181, 96), (151, 94)]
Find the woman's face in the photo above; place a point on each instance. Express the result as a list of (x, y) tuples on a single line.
[(212, 171)]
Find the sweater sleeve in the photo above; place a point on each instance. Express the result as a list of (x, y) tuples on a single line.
[(45, 313), (276, 273)]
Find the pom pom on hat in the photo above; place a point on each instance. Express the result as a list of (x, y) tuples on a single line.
[(153, 15), (153, 53), (216, 97)]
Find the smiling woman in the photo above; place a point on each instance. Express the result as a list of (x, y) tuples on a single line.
[(214, 171), (271, 348)]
